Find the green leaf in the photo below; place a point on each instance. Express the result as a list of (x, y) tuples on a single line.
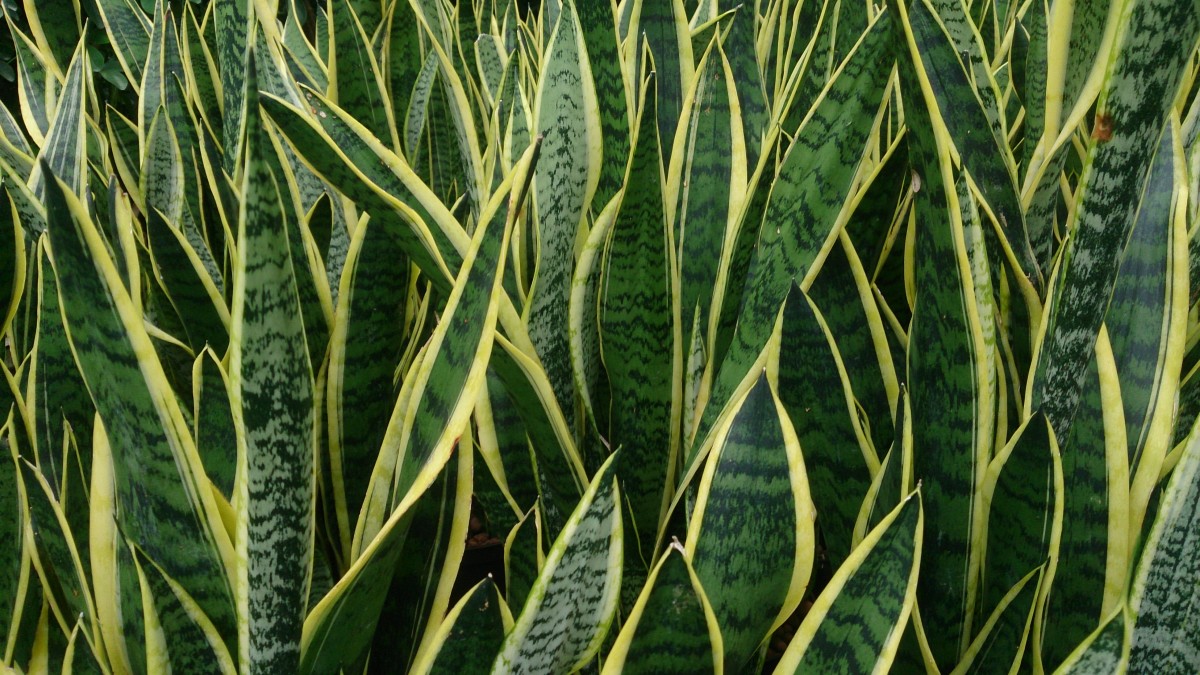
[(234, 24), (599, 32), (856, 623), (1104, 651), (638, 337), (367, 340), (189, 637), (11, 529), (129, 33), (355, 80), (216, 435), (1146, 321), (1003, 640), (1023, 496), (58, 399), (415, 448), (271, 385), (961, 105), (803, 215), (671, 628), (572, 603), (343, 153), (568, 120), (165, 506), (65, 147), (1153, 41), (1165, 598), (471, 633), (711, 173), (663, 26), (522, 557), (949, 362), (836, 452), (1094, 555), (751, 533), (844, 293), (37, 86)]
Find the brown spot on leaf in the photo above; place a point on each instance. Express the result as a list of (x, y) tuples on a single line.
[(1103, 130)]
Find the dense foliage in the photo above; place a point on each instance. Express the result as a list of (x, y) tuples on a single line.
[(792, 335)]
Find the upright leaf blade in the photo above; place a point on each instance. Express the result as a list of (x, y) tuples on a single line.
[(575, 596), (272, 386)]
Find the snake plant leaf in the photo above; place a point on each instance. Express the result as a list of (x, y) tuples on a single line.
[(1023, 497), (523, 556), (802, 216), (187, 285), (953, 102), (1138, 88), (128, 32), (401, 60), (638, 335), (65, 146), (355, 80), (1003, 639), (11, 530), (114, 579), (193, 643), (1165, 599), (843, 292), (952, 398), (58, 401), (471, 633), (12, 266), (1146, 322), (572, 603), (1093, 558), (37, 86), (711, 175), (751, 532), (234, 23), (413, 455), (428, 566), (60, 561), (455, 133), (367, 339), (165, 504), (212, 413), (507, 431), (201, 68), (162, 168), (600, 33), (671, 628), (839, 461), (1106, 650), (58, 551), (743, 59), (591, 378), (489, 60), (271, 384), (345, 155), (19, 159), (162, 63), (79, 655), (664, 27), (446, 381), (857, 621), (568, 120), (558, 465), (804, 61), (417, 111)]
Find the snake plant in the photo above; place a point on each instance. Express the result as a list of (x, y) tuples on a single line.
[(763, 336)]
